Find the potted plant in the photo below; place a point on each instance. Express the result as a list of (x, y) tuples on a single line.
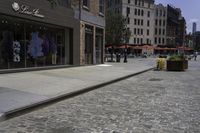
[(177, 63)]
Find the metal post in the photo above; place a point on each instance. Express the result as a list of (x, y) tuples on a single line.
[(125, 54)]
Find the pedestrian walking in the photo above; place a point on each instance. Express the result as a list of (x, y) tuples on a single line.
[(195, 55)]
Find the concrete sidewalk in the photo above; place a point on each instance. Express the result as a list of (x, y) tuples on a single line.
[(23, 90)]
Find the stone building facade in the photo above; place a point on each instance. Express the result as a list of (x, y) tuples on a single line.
[(140, 18), (150, 23)]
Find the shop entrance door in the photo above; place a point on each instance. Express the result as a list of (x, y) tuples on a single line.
[(99, 46), (89, 45)]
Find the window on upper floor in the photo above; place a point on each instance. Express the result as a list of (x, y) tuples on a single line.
[(149, 5), (101, 6), (148, 14), (142, 2), (135, 11), (156, 22), (117, 2), (157, 12), (164, 13), (135, 31), (147, 41), (128, 20), (147, 32), (142, 12), (138, 21), (86, 3), (117, 10), (159, 40), (163, 31), (65, 3), (156, 31), (141, 41), (148, 23), (129, 1), (134, 40), (138, 40), (135, 2), (139, 3), (160, 32), (160, 22), (138, 12), (127, 11), (155, 40), (142, 22), (163, 22), (160, 13), (135, 21)]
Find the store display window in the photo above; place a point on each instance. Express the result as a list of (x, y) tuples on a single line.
[(25, 43)]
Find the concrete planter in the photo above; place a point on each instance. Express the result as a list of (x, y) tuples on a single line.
[(177, 65)]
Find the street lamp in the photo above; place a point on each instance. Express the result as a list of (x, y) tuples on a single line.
[(125, 54), (125, 50)]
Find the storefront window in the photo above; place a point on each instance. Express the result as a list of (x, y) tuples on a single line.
[(25, 43)]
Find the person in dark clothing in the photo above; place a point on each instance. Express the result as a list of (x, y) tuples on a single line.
[(195, 55)]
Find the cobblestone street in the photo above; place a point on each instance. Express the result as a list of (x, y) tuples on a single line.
[(153, 102)]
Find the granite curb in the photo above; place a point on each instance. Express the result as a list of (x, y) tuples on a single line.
[(26, 109)]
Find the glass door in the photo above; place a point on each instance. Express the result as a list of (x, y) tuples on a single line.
[(89, 45)]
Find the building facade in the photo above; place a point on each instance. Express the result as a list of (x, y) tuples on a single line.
[(181, 36), (37, 34), (160, 25), (173, 24), (43, 33), (150, 23), (91, 14), (189, 42), (196, 40), (140, 18), (194, 27)]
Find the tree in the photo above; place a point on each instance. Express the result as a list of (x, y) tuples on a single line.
[(116, 30)]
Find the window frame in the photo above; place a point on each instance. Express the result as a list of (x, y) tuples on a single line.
[(101, 7), (87, 6)]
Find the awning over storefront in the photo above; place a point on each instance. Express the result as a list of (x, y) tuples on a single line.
[(149, 48)]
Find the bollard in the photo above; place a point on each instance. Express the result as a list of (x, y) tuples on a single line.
[(161, 63)]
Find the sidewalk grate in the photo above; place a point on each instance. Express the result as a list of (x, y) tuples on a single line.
[(155, 79)]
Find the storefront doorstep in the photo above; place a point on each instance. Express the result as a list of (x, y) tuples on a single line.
[(6, 71)]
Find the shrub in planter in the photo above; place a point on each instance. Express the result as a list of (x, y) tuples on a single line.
[(177, 63)]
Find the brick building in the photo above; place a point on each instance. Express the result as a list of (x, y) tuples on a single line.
[(160, 25), (91, 14)]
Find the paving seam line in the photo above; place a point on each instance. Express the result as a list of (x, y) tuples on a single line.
[(35, 106)]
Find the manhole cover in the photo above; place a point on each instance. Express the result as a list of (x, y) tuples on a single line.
[(155, 79)]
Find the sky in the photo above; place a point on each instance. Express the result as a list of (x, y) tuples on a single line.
[(190, 10)]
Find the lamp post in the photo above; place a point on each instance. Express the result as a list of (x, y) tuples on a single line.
[(125, 50), (125, 54)]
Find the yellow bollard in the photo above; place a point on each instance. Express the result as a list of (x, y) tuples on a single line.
[(161, 63)]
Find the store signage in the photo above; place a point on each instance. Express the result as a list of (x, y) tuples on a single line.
[(24, 9)]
